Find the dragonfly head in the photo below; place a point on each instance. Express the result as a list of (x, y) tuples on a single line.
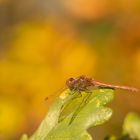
[(70, 83)]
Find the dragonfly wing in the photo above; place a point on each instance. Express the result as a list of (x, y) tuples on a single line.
[(56, 93), (82, 104)]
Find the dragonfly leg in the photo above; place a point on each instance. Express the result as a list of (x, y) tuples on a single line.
[(89, 94), (79, 95)]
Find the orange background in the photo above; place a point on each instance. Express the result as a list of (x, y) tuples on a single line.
[(42, 43)]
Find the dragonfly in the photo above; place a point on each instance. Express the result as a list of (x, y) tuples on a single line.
[(86, 84)]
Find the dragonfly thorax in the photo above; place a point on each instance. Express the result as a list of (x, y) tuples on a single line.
[(81, 83)]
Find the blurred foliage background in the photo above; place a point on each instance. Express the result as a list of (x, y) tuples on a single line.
[(44, 42)]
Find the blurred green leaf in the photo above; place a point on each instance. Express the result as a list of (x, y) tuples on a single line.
[(110, 138), (24, 137), (131, 126)]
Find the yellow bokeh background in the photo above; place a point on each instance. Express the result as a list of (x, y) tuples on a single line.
[(41, 48)]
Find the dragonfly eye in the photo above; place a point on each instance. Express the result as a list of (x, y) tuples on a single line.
[(69, 82), (71, 79)]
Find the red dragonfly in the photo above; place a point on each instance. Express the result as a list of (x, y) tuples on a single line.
[(84, 83)]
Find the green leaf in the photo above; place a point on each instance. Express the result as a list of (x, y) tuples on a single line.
[(110, 138), (24, 137), (91, 114), (52, 117), (71, 115), (131, 126)]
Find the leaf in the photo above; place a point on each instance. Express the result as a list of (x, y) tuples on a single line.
[(51, 118), (24, 137), (131, 126), (110, 138), (90, 114)]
